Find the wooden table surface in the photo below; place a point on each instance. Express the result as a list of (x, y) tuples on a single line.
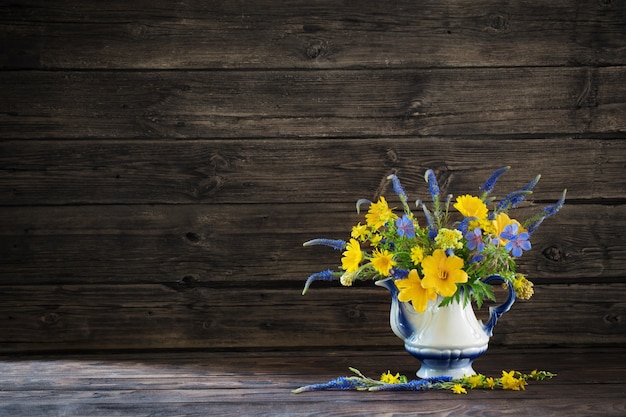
[(589, 382)]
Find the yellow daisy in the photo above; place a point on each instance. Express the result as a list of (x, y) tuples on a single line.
[(471, 206), (352, 256), (383, 261), (379, 214)]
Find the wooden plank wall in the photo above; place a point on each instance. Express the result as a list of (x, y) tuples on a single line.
[(161, 162)]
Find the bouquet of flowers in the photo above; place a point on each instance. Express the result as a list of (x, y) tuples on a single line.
[(445, 253)]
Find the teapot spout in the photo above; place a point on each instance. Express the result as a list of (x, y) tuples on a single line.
[(397, 317)]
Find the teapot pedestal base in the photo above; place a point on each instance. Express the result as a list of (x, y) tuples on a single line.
[(455, 363)]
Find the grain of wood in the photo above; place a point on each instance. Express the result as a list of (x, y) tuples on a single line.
[(70, 317), (341, 103), (312, 35), (589, 382)]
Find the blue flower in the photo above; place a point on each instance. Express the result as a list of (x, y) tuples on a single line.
[(517, 242), (491, 181), (405, 227), (399, 273), (336, 244), (341, 383), (433, 186), (414, 385), (327, 275), (475, 240), (397, 187), (476, 258)]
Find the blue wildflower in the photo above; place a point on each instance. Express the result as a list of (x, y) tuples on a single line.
[(476, 258), (414, 385), (475, 240), (397, 187), (535, 222), (405, 226), (399, 273), (516, 241), (341, 383), (552, 210), (336, 244), (491, 181), (327, 275), (464, 225), (433, 186), (514, 198)]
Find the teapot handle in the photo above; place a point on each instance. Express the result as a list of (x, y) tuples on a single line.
[(496, 312)]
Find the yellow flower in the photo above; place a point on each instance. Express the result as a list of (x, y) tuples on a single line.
[(383, 261), (458, 389), (352, 256), (476, 381), (375, 240), (359, 232), (523, 287), (449, 239), (510, 382), (486, 225), (417, 254), (388, 378), (470, 206), (501, 221), (490, 382), (443, 272), (411, 290), (378, 214)]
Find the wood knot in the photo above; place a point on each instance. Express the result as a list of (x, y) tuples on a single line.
[(188, 281), (392, 156), (612, 319), (554, 253), (50, 318), (316, 50), (192, 237), (498, 22)]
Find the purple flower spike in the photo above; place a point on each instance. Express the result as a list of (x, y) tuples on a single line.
[(516, 242), (405, 227)]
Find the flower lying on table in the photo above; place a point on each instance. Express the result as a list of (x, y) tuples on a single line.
[(512, 380), (449, 254)]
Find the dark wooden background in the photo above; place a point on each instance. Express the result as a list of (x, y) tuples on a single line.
[(161, 162)]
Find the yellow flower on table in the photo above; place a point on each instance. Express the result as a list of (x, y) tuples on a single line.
[(389, 378), (442, 273), (458, 389), (510, 382)]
